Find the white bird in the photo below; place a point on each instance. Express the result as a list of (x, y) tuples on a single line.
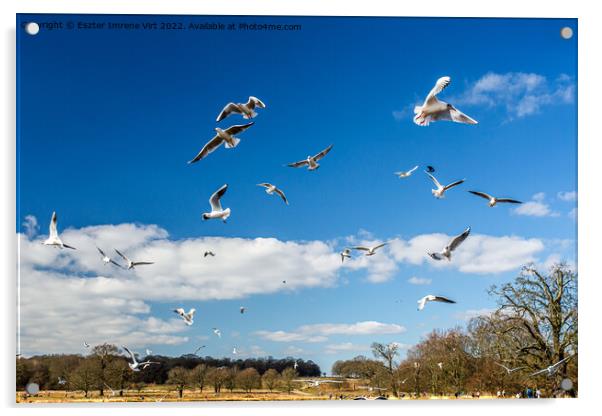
[(270, 189), (439, 192), (209, 253), (242, 309), (135, 365), (216, 206), (295, 365), (406, 173), (53, 235), (316, 383), (148, 352), (434, 110), (86, 345), (453, 244), (217, 332), (106, 259), (187, 317), (509, 370), (247, 110), (312, 161), (493, 200), (132, 264), (370, 251), (345, 254), (551, 370), (226, 136), (61, 381), (234, 351), (440, 365), (432, 298)]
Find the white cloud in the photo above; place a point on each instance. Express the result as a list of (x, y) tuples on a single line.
[(345, 347), (419, 280), (521, 94), (473, 313), (537, 207), (321, 332), (573, 213), (31, 226), (568, 196)]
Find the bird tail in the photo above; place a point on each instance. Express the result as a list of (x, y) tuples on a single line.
[(235, 141), (417, 109), (226, 214)]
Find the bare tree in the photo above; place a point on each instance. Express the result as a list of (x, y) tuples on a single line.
[(198, 376), (178, 376), (270, 379), (288, 375), (388, 353), (248, 379)]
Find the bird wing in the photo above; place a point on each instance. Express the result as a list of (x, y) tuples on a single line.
[(481, 194), (141, 263), (122, 255), (459, 239), (545, 370), (443, 299), (451, 185), (254, 101), (179, 311), (131, 354), (440, 85), (71, 247), (214, 201), (435, 256), (412, 170), (52, 230), (421, 303), (459, 117), (102, 253), (209, 147), (323, 153), (238, 128), (115, 263), (264, 184), (435, 181), (279, 192), (298, 164), (562, 361), (379, 246), (361, 248), (508, 200), (503, 366), (191, 313), (228, 109)]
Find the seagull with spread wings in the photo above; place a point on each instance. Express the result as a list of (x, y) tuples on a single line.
[(432, 298), (270, 189), (187, 317), (247, 110), (509, 370), (440, 191), (53, 235), (209, 253), (453, 244), (216, 206), (370, 251), (551, 370), (312, 161), (132, 264), (217, 332), (406, 173), (226, 136), (493, 200), (435, 110), (106, 259), (135, 365)]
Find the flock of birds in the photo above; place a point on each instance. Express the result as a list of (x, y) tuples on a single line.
[(432, 110)]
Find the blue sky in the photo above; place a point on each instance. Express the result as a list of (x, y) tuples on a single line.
[(108, 119)]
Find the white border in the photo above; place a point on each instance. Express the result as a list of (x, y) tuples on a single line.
[(590, 70)]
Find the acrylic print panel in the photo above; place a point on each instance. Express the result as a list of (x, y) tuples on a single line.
[(295, 208)]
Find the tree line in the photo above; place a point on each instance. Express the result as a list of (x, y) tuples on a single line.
[(533, 327), (106, 369)]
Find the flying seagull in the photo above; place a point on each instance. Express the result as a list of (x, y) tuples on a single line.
[(284, 281), (247, 110), (223, 136), (61, 381), (493, 200), (346, 253), (440, 365), (209, 253), (312, 161), (234, 351), (370, 251), (270, 189), (434, 110), (295, 365), (453, 244), (407, 173), (438, 193), (509, 370), (198, 349), (53, 235), (86, 345), (133, 264), (216, 205), (432, 298), (135, 365), (551, 370), (106, 259), (148, 352), (187, 317), (242, 309), (217, 332)]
